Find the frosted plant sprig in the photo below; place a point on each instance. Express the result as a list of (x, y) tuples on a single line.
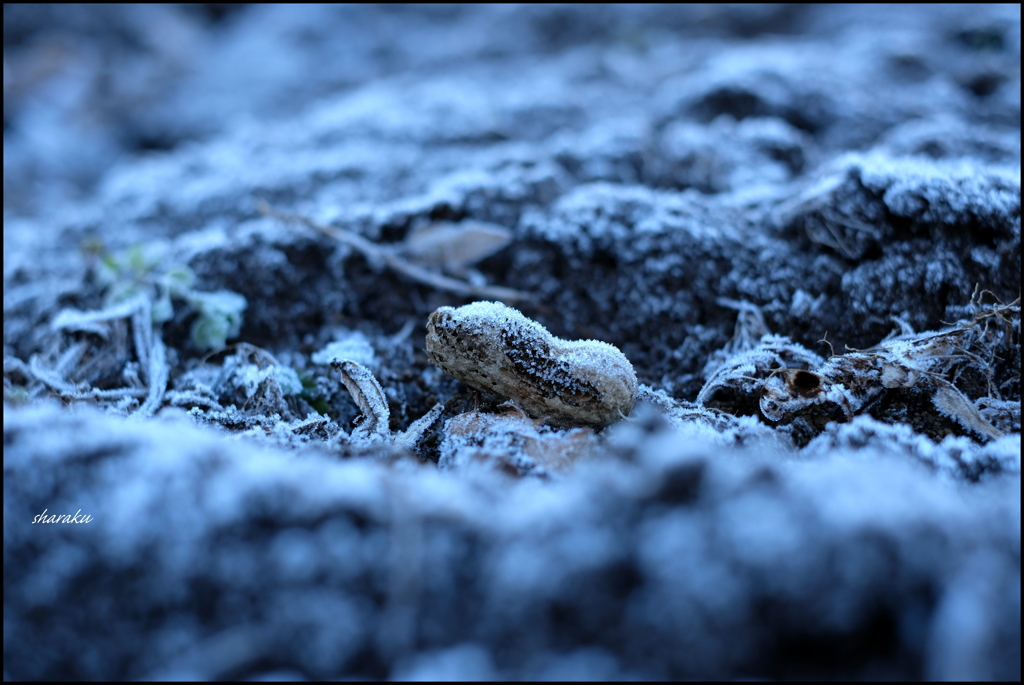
[(133, 273)]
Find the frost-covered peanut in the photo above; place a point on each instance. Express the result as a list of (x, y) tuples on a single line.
[(492, 347)]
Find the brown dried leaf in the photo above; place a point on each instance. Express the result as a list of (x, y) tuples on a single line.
[(452, 246)]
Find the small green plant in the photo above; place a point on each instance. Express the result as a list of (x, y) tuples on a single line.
[(132, 273), (16, 395), (311, 392)]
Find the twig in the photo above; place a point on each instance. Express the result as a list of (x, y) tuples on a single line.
[(374, 252), (824, 339)]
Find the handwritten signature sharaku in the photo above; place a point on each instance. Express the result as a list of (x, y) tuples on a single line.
[(62, 518)]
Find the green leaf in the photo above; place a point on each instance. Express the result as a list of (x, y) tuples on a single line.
[(111, 263), (137, 259), (16, 395), (209, 332), (121, 292), (179, 279), (320, 404), (163, 310), (220, 317)]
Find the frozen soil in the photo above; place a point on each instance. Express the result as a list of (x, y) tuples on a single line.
[(800, 225)]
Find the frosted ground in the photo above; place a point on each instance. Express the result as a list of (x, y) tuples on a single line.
[(800, 225)]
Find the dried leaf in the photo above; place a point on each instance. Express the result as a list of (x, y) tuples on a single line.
[(452, 246), (369, 397)]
